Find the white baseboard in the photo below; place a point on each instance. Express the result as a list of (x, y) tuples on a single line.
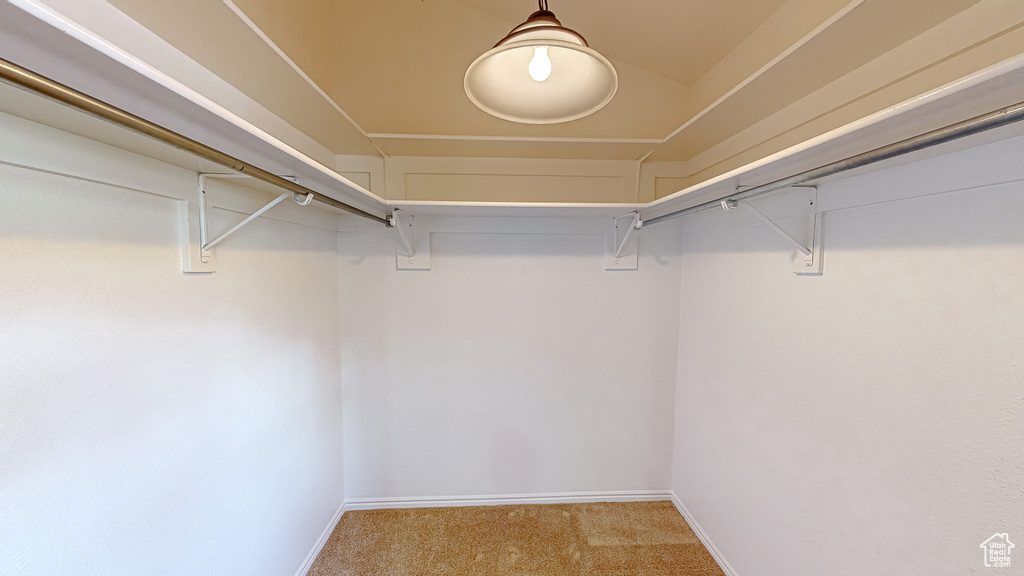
[(311, 557), (715, 552), (505, 499)]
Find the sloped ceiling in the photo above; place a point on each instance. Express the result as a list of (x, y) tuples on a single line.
[(695, 75)]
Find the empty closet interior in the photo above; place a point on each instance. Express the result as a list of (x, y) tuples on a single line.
[(268, 264)]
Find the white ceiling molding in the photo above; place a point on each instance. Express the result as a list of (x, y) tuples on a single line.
[(950, 102), (771, 64), (474, 138), (390, 73), (44, 12), (853, 4), (273, 46), (451, 137), (999, 84), (959, 40)]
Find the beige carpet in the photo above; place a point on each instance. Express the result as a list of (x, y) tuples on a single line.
[(605, 539)]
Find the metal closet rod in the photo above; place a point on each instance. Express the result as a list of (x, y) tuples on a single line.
[(28, 80), (994, 119)]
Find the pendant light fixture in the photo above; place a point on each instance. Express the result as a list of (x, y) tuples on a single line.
[(541, 73)]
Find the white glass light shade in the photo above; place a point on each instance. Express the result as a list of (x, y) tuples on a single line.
[(580, 83)]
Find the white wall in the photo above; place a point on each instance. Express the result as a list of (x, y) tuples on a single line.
[(865, 422), (517, 365), (153, 423), (870, 421)]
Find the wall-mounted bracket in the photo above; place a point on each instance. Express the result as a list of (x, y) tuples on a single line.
[(413, 251), (621, 246), (192, 261), (209, 245), (807, 260), (197, 248)]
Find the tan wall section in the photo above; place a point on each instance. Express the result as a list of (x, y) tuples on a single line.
[(511, 180), (513, 188)]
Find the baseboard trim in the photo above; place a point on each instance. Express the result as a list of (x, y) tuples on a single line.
[(715, 552), (311, 557), (506, 499)]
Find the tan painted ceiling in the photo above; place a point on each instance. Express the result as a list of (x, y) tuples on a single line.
[(672, 38), (397, 67), (695, 75)]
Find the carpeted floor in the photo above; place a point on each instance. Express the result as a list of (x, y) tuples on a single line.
[(604, 539)]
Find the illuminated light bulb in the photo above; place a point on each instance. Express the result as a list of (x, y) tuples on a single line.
[(540, 65)]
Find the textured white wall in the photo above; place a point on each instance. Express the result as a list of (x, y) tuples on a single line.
[(870, 421), (153, 423), (516, 365), (865, 422)]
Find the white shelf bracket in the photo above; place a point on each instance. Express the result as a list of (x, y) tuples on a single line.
[(413, 253), (209, 245), (197, 254), (621, 247), (808, 256)]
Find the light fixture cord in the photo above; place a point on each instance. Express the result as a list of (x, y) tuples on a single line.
[(543, 4)]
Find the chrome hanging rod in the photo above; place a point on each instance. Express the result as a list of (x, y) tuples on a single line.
[(985, 122), (36, 83)]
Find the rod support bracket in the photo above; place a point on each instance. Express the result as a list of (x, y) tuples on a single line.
[(413, 249), (804, 234), (621, 252), (197, 248)]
